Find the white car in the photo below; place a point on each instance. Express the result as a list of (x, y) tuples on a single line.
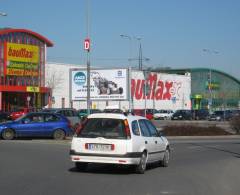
[(163, 114), (119, 139)]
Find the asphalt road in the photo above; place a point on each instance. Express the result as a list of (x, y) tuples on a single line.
[(32, 167)]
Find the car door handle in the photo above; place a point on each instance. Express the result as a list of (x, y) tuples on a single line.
[(146, 142), (155, 142)]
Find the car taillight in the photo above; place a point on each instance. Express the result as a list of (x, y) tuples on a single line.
[(127, 129), (112, 147), (80, 126)]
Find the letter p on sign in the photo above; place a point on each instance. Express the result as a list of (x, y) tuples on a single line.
[(87, 44)]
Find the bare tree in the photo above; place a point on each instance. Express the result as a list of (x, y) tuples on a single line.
[(53, 79)]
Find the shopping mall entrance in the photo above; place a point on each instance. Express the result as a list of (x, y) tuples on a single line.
[(12, 101)]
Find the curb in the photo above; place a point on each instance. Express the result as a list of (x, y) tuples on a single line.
[(204, 137), (194, 137)]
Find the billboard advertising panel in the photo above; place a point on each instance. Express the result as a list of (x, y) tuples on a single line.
[(105, 84), (21, 59), (163, 91)]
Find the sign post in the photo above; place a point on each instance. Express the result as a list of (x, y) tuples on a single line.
[(87, 48)]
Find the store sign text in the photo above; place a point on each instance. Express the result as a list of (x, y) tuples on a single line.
[(158, 89), (21, 59), (20, 72), (22, 53)]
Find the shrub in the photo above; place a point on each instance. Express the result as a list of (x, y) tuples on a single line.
[(187, 130), (235, 124)]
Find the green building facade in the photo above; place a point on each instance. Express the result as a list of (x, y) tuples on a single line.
[(211, 89)]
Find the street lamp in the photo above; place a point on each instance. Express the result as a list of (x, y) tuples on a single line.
[(130, 47), (3, 14), (210, 78), (130, 71)]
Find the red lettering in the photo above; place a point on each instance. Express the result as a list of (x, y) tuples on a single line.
[(139, 89), (22, 53), (152, 81), (167, 95), (158, 89), (10, 51), (159, 92)]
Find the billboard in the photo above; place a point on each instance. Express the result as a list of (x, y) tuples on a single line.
[(160, 91), (21, 59), (105, 84)]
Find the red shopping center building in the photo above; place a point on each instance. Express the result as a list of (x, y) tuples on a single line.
[(22, 69)]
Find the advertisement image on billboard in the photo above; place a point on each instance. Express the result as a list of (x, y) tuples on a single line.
[(163, 91), (105, 84)]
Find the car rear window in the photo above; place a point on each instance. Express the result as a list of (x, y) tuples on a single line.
[(102, 127)]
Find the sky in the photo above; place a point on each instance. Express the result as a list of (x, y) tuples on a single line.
[(174, 33)]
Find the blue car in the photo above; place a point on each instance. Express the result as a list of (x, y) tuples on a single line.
[(37, 124)]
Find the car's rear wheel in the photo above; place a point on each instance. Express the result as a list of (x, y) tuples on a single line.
[(8, 134), (59, 134), (141, 167), (165, 161), (81, 166)]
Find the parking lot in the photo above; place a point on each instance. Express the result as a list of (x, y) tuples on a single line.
[(198, 166)]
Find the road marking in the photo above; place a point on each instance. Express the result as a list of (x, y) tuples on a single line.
[(194, 147)]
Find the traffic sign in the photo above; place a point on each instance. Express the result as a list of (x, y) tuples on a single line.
[(87, 44)]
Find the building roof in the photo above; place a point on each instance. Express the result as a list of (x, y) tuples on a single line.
[(12, 30), (185, 70)]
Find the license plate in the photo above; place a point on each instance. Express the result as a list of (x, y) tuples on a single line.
[(99, 147)]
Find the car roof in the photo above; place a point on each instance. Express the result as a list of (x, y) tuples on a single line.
[(59, 109), (43, 113), (115, 116)]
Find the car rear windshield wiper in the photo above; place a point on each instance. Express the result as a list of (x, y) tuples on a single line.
[(89, 135)]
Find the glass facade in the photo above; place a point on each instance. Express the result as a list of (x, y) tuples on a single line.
[(219, 91)]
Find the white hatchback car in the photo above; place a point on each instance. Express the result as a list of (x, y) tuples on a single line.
[(119, 139), (163, 114)]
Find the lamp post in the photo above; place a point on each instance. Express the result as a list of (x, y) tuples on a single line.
[(140, 54), (130, 47), (210, 78), (130, 70)]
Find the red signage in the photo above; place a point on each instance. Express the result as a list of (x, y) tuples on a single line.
[(158, 89), (87, 44)]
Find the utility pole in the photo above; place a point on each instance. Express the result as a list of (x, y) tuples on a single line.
[(130, 97), (87, 48)]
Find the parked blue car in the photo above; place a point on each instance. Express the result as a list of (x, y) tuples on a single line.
[(37, 124)]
